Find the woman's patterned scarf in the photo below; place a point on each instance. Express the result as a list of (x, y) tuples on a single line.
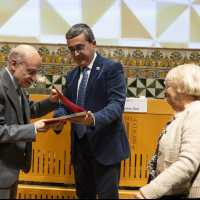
[(153, 163)]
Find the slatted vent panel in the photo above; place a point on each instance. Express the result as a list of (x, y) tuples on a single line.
[(51, 152)]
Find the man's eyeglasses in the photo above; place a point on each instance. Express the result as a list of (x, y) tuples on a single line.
[(79, 49)]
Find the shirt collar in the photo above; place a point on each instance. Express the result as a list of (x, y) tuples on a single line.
[(92, 62), (13, 80)]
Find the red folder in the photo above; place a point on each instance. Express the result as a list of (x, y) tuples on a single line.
[(77, 110), (68, 103)]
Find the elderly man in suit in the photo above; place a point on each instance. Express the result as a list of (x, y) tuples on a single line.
[(98, 141), (16, 109)]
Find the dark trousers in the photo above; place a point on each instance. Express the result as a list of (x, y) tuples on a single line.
[(91, 177), (9, 193)]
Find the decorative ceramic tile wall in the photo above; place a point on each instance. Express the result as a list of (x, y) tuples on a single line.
[(145, 68)]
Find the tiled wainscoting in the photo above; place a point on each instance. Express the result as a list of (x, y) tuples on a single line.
[(145, 68)]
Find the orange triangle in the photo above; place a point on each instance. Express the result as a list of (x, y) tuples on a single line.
[(8, 8), (93, 10), (51, 21), (131, 26), (167, 14), (19, 39), (196, 2), (173, 45)]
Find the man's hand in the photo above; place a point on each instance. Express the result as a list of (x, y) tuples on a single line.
[(54, 98), (42, 127), (58, 127), (138, 195), (87, 120)]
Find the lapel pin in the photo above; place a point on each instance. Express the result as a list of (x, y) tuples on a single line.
[(98, 68)]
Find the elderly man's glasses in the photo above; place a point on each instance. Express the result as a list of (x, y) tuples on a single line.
[(79, 49)]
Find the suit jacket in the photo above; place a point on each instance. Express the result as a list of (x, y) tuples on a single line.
[(16, 132), (105, 98)]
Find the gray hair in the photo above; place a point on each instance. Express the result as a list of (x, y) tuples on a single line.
[(77, 29), (186, 78), (16, 54)]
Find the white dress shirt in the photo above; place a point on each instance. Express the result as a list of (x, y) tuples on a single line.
[(13, 80)]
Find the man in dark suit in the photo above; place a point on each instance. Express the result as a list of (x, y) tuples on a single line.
[(98, 141), (16, 109)]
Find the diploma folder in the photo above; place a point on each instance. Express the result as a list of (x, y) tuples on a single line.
[(78, 111)]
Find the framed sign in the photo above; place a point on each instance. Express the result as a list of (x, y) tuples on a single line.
[(136, 105)]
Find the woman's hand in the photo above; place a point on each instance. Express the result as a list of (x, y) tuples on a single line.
[(138, 195)]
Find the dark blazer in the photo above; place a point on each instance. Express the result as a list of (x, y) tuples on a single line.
[(105, 98), (16, 132)]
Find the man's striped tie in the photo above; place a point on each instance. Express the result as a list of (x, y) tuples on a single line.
[(80, 129)]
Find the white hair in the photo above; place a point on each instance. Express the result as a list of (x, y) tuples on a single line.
[(186, 78)]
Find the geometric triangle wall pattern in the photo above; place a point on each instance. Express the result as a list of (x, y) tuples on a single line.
[(140, 23), (93, 10), (164, 19), (131, 26)]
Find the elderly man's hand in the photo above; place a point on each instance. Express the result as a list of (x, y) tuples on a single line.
[(43, 127), (87, 120), (54, 98), (138, 195)]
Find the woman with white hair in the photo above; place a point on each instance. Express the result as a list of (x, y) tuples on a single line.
[(175, 164)]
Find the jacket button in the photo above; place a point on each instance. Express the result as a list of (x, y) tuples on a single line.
[(159, 152), (158, 170), (165, 131)]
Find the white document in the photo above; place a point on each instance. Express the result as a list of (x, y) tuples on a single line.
[(136, 105)]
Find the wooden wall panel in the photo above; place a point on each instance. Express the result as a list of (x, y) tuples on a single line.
[(51, 152)]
